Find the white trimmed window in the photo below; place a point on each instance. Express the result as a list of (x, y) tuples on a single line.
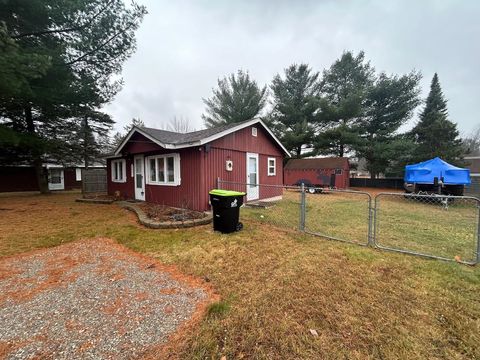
[(163, 170), (272, 162), (119, 171), (78, 174), (254, 131)]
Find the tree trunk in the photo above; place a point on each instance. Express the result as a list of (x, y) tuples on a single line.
[(342, 150), (85, 143), (37, 159)]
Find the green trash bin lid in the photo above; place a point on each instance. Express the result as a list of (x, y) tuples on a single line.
[(225, 193)]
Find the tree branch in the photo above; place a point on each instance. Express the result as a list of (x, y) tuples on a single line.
[(80, 58), (66, 30)]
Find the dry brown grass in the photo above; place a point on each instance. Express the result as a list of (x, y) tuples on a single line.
[(276, 286)]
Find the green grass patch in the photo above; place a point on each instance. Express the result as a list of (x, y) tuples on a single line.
[(279, 283)]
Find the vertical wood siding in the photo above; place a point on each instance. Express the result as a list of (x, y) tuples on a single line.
[(201, 166)]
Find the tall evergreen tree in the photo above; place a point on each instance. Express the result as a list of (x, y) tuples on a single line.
[(295, 105), (434, 134), (390, 102), (60, 56), (344, 89), (238, 98)]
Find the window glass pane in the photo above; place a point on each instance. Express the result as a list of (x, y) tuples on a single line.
[(153, 170), (271, 163), (120, 170), (252, 164), (161, 170), (170, 167), (115, 168)]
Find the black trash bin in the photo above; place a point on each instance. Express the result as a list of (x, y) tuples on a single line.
[(226, 210)]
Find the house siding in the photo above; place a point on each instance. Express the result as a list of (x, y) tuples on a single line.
[(23, 178), (200, 167), (235, 147)]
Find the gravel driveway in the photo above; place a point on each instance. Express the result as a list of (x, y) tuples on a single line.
[(91, 299)]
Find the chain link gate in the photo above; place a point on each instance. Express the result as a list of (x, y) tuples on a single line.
[(433, 226), (342, 215)]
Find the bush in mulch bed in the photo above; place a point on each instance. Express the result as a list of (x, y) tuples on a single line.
[(164, 213)]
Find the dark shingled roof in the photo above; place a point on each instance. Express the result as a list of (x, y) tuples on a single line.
[(170, 137), (317, 163)]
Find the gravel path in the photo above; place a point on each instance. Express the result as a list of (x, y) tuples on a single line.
[(91, 299)]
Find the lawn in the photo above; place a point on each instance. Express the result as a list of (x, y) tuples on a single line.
[(277, 284), (419, 225)]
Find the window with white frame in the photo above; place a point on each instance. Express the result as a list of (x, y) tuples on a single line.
[(271, 166), (119, 170), (78, 174), (163, 169), (254, 131)]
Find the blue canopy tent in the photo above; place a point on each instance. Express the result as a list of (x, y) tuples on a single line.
[(426, 172)]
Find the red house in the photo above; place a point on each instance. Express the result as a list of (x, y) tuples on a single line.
[(321, 172), (179, 170)]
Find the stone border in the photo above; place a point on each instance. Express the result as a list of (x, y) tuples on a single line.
[(146, 221), (95, 201)]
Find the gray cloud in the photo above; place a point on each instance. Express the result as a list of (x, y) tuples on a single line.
[(184, 46)]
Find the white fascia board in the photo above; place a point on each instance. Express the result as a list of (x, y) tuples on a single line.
[(232, 130), (203, 141), (140, 131)]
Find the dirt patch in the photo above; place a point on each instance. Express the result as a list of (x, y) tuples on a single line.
[(165, 213), (95, 299)]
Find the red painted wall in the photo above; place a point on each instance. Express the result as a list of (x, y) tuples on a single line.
[(16, 178), (125, 189), (317, 177), (69, 179), (234, 147), (23, 178), (201, 166)]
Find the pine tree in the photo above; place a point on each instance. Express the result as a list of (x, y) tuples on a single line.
[(434, 134), (344, 88), (238, 98), (295, 104), (57, 59), (390, 102)]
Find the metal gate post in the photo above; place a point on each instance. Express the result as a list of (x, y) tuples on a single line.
[(301, 225), (478, 233), (371, 218)]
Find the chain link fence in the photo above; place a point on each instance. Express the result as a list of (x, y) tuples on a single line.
[(338, 214), (434, 226), (269, 204)]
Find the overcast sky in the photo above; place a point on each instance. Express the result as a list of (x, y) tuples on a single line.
[(185, 46)]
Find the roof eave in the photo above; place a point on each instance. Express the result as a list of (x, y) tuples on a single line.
[(141, 132)]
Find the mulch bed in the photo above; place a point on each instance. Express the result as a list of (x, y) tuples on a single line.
[(163, 213), (94, 299)]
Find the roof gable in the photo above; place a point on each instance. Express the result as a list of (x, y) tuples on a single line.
[(173, 140)]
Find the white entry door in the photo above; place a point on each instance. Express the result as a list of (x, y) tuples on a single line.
[(55, 179), (139, 170), (252, 177)]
